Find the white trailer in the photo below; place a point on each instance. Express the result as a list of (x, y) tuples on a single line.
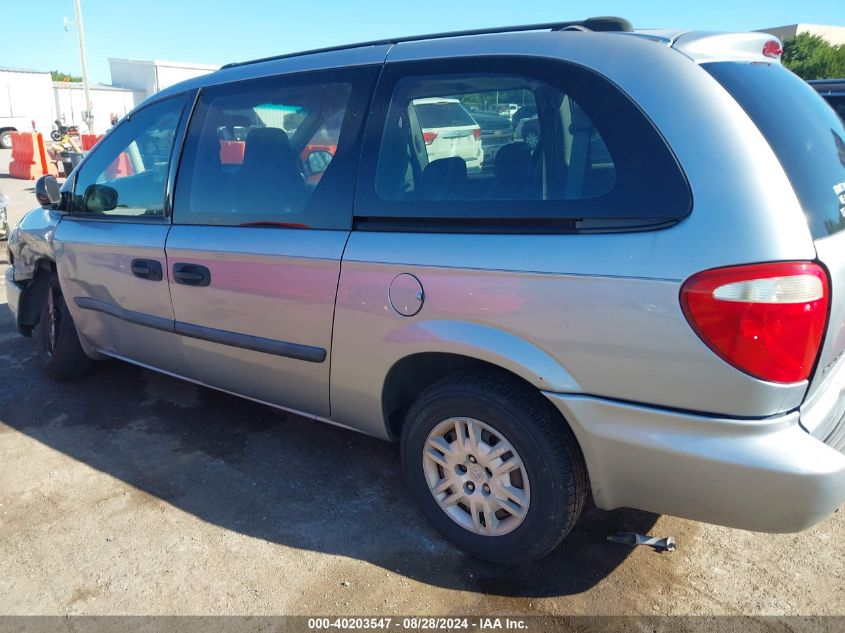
[(149, 76), (105, 102), (26, 103)]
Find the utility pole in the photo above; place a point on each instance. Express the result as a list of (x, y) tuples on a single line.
[(88, 114)]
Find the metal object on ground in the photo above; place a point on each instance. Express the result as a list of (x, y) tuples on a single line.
[(632, 538)]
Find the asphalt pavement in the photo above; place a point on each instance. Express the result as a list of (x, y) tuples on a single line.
[(129, 492)]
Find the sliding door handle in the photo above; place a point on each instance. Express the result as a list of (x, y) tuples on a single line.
[(147, 269), (191, 274)]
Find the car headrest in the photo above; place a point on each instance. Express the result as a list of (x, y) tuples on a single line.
[(513, 163), (444, 178), (266, 145)]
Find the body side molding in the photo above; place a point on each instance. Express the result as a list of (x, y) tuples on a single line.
[(296, 351)]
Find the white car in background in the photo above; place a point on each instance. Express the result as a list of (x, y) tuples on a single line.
[(449, 130), (507, 110)]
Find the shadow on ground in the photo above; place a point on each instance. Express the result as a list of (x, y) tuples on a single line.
[(5, 176), (266, 474)]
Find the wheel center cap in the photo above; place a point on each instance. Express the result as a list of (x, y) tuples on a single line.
[(476, 474)]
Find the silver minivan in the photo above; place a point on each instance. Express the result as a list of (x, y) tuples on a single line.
[(644, 305)]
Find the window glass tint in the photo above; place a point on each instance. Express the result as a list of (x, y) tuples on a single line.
[(258, 151), (555, 146), (806, 135), (490, 137), (127, 173)]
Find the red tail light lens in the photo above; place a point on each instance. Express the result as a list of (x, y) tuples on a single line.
[(429, 137), (767, 320), (773, 49), (477, 133)]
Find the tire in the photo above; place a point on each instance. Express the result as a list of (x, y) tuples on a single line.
[(58, 343), (545, 492), (6, 139), (56, 135)]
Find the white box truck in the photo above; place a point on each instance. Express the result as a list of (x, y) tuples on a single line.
[(26, 103)]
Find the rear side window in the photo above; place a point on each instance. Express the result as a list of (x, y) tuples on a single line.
[(806, 135), (519, 141), (561, 157), (275, 151)]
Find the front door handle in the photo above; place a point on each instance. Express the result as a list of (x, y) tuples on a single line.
[(191, 274), (147, 269)]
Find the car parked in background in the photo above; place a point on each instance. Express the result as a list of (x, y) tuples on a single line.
[(524, 112), (833, 90), (527, 130), (496, 132), (449, 131), (507, 110), (642, 310), (526, 126)]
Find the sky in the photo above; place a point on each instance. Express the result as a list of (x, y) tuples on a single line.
[(222, 31)]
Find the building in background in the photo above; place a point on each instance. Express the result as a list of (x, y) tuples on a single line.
[(106, 101), (148, 77), (30, 99), (833, 34)]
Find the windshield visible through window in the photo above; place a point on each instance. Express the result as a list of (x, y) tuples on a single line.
[(442, 114)]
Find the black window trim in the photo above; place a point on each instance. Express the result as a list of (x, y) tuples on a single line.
[(175, 153), (372, 213)]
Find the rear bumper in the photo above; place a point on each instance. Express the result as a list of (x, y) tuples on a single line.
[(13, 292), (823, 413), (474, 163), (763, 475)]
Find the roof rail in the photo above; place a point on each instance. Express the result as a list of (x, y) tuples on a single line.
[(590, 24)]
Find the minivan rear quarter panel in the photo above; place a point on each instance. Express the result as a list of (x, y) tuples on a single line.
[(615, 336), (605, 306)]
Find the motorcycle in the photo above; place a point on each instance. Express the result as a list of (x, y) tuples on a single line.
[(62, 129)]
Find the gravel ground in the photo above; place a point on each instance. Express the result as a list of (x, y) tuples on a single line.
[(133, 493)]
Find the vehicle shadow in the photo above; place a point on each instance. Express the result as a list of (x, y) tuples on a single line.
[(6, 176), (282, 478)]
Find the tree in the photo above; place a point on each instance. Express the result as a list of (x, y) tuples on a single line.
[(59, 76), (813, 57)]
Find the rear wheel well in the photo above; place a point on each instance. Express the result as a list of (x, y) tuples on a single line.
[(412, 374)]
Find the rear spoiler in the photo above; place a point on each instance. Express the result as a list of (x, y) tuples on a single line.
[(702, 47)]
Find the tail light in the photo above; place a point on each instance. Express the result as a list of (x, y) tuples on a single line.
[(429, 137), (772, 49), (476, 132), (767, 320)]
